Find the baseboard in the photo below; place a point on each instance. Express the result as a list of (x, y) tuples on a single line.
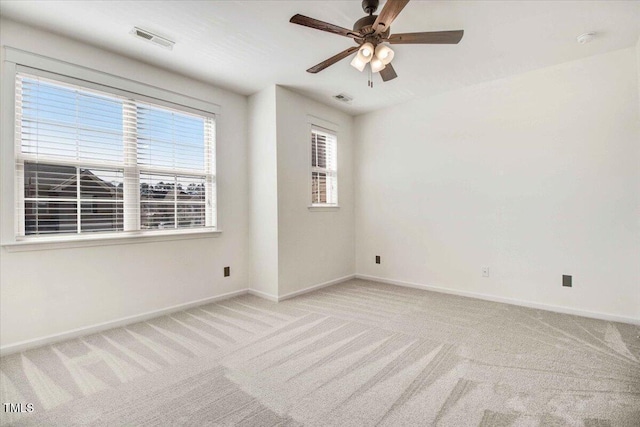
[(38, 342), (279, 298), (513, 301), (75, 333), (264, 295), (316, 287)]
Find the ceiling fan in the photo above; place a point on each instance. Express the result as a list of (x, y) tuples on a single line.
[(370, 34)]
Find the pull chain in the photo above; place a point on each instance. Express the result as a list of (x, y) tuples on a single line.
[(370, 83)]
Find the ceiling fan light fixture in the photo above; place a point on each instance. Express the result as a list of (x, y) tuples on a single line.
[(366, 50), (358, 63), (384, 53), (361, 59), (377, 65)]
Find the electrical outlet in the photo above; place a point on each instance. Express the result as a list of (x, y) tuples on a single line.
[(566, 281), (377, 259), (485, 271), (227, 271)]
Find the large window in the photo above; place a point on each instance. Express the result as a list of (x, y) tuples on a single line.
[(90, 161), (324, 168)]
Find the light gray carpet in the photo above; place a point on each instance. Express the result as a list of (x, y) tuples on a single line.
[(359, 353)]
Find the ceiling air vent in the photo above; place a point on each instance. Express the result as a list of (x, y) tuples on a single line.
[(153, 38), (343, 97)]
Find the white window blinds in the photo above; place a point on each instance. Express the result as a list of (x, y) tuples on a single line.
[(91, 161), (324, 167)]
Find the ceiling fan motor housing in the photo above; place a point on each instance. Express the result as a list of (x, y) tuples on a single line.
[(364, 22), (364, 26)]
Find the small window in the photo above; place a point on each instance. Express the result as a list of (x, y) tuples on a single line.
[(324, 168)]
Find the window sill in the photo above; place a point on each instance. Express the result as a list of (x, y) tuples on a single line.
[(323, 208), (124, 238)]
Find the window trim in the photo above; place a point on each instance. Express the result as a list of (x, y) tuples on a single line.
[(15, 61), (106, 239), (323, 125)]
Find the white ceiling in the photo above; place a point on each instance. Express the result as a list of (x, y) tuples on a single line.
[(245, 46)]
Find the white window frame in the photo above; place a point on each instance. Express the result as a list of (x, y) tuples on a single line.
[(15, 61), (326, 126)]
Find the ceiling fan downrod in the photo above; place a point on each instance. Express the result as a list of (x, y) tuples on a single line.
[(370, 6)]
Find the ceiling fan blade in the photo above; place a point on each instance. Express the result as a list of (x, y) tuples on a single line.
[(323, 26), (388, 73), (390, 11), (433, 37), (327, 62)]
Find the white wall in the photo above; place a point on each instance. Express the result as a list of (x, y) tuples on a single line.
[(534, 176), (638, 67), (314, 247), (263, 194), (54, 291)]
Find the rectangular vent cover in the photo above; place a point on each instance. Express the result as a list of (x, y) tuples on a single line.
[(343, 97), (153, 38)]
